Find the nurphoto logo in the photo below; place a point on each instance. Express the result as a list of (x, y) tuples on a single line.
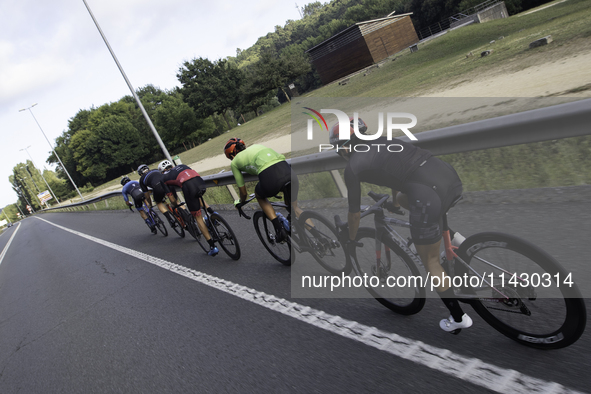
[(345, 123)]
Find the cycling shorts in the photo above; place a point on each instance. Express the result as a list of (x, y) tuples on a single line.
[(160, 190), (273, 179), (138, 197), (193, 189), (431, 190)]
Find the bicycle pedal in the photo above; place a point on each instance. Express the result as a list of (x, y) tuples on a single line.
[(456, 331)]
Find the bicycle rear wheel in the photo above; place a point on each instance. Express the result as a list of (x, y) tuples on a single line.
[(159, 223), (281, 251), (397, 283), (322, 243), (222, 232), (532, 300)]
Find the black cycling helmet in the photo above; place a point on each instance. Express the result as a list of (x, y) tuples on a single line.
[(142, 169), (124, 180)]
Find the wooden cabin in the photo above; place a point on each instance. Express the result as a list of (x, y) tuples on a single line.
[(362, 45)]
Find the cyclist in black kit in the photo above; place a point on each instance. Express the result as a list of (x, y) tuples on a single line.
[(428, 187), (193, 187), (153, 179)]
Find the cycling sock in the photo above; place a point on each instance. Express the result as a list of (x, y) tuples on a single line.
[(451, 302), (210, 242), (168, 216)]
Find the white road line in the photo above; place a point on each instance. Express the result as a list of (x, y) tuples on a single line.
[(472, 370), (8, 243)]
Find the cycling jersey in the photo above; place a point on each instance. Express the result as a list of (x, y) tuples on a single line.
[(430, 184), (190, 183), (179, 175), (253, 160), (135, 191), (154, 180), (380, 167)]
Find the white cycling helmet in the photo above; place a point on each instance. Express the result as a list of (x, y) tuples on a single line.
[(164, 165)]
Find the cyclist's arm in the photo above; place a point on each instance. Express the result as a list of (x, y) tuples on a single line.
[(148, 199), (243, 194), (237, 174)]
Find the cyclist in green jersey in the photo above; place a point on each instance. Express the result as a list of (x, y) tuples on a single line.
[(274, 173)]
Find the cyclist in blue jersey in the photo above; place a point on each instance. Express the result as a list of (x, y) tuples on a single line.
[(428, 188), (133, 189)]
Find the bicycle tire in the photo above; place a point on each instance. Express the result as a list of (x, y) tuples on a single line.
[(266, 232), (404, 300), (159, 223), (223, 234), (323, 243), (557, 314), (178, 226)]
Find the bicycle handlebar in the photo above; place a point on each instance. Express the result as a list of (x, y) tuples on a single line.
[(240, 205)]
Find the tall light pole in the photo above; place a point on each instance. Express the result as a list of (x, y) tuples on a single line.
[(135, 96), (23, 196), (20, 210), (53, 150), (41, 173)]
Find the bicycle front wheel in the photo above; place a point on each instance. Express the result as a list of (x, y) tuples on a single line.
[(281, 251), (394, 279), (321, 240), (176, 225), (529, 297), (159, 224), (223, 233)]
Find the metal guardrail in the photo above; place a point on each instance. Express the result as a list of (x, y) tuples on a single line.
[(550, 123)]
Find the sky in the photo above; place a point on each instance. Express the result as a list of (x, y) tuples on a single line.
[(52, 54)]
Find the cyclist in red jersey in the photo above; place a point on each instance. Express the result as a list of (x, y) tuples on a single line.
[(193, 188)]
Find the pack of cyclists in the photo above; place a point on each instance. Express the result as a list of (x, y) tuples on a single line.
[(423, 185)]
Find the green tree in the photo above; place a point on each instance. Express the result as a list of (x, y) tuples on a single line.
[(210, 87)]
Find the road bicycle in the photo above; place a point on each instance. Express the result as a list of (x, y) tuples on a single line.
[(154, 219), (516, 287), (219, 230), (311, 232)]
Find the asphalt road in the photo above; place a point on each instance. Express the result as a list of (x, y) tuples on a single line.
[(101, 305)]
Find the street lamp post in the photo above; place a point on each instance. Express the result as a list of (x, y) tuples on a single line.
[(135, 96), (23, 196), (53, 150), (52, 193)]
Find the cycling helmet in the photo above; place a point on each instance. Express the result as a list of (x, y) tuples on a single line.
[(142, 169), (334, 132), (164, 165), (233, 147), (124, 180)]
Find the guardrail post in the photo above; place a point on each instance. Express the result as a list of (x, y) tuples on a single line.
[(338, 180), (106, 203), (235, 195)]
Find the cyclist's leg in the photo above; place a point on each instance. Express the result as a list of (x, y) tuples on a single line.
[(427, 239), (192, 191)]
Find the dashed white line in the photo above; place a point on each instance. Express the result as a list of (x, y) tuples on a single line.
[(472, 370)]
